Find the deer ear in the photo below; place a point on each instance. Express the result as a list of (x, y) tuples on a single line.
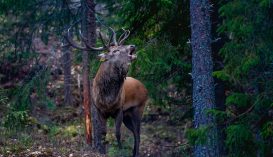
[(102, 57)]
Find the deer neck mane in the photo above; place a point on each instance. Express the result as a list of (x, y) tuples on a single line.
[(108, 83)]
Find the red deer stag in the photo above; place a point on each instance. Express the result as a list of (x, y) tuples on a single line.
[(114, 94)]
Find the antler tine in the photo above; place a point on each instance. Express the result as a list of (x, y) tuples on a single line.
[(125, 37), (82, 37), (71, 41), (91, 47), (114, 36), (122, 35), (111, 38), (101, 38), (77, 46)]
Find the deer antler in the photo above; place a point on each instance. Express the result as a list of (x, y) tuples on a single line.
[(101, 38), (87, 47), (123, 37), (114, 36)]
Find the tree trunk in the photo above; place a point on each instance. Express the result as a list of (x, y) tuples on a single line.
[(66, 62), (88, 28), (203, 85), (91, 36)]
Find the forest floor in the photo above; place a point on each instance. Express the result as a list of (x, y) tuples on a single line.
[(59, 132)]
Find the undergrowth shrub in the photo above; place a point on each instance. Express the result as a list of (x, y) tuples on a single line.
[(16, 120), (240, 141)]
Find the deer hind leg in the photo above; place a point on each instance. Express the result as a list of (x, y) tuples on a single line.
[(118, 120), (132, 121)]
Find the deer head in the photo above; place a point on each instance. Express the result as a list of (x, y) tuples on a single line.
[(116, 54)]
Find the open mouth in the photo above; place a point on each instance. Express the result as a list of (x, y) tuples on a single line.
[(131, 52), (132, 49)]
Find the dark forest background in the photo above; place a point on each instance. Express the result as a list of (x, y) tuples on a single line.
[(41, 77)]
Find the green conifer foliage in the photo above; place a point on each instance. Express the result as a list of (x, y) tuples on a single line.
[(248, 59)]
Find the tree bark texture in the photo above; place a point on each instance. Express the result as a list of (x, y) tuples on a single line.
[(66, 62), (88, 29), (203, 84)]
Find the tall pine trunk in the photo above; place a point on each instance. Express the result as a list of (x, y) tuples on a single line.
[(88, 29), (203, 85), (91, 36)]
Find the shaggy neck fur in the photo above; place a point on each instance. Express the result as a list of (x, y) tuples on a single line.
[(108, 83)]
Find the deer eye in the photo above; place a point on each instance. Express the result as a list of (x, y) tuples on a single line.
[(116, 52)]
